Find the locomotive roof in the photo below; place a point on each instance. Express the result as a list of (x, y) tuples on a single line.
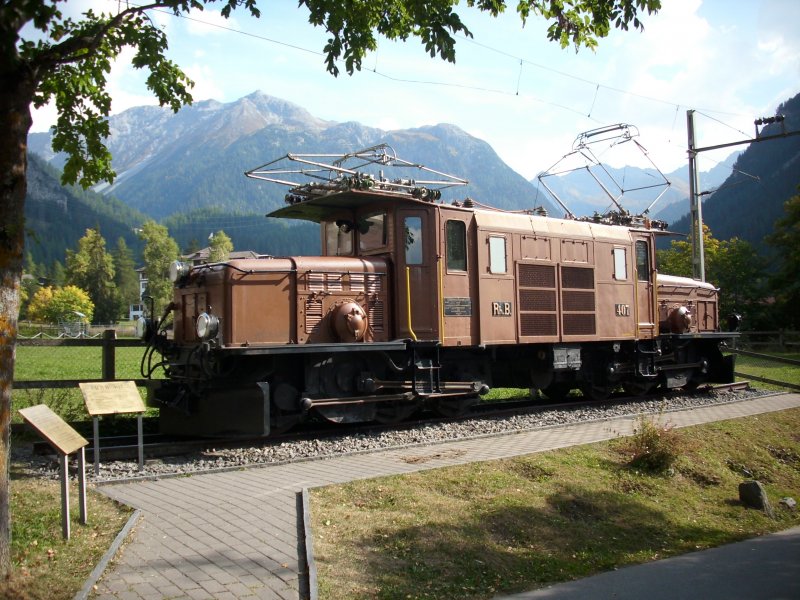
[(321, 207)]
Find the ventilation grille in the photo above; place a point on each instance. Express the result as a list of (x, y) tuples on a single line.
[(577, 278), (578, 307), (365, 282), (537, 276), (537, 300), (375, 316), (324, 282), (313, 314), (578, 301), (579, 324), (538, 324)]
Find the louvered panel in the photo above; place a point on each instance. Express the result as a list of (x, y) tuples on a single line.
[(333, 282), (578, 301), (577, 278), (313, 314), (316, 281), (533, 324), (373, 283), (357, 282), (579, 324), (537, 300), (540, 276), (376, 316)]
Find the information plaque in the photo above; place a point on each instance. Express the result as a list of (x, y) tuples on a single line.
[(66, 441), (112, 398)]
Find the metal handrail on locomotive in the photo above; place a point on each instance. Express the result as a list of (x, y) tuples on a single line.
[(416, 303)]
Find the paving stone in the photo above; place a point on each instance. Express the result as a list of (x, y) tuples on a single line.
[(234, 534)]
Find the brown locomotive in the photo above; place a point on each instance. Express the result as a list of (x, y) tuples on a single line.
[(415, 303)]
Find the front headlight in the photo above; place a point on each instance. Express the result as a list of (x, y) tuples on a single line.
[(141, 327), (206, 326), (178, 270)]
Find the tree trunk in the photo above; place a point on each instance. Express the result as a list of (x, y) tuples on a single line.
[(16, 93)]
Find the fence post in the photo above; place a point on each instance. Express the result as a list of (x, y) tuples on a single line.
[(109, 355)]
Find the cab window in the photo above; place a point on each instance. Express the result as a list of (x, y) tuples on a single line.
[(642, 261), (372, 231), (412, 227), (456, 232), (338, 238)]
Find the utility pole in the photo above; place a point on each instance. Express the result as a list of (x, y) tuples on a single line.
[(695, 205)]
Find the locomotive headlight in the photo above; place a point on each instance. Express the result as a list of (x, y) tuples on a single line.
[(178, 270), (206, 326), (141, 327)]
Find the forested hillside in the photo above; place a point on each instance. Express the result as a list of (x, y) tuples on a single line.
[(766, 175), (56, 217)]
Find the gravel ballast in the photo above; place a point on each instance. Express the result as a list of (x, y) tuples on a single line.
[(371, 441)]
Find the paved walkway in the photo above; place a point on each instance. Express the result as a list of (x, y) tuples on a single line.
[(236, 534)]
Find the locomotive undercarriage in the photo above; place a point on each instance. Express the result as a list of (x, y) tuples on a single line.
[(255, 391)]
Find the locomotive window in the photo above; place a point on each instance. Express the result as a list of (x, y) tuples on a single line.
[(642, 261), (338, 239), (413, 234), (456, 245), (620, 264), (372, 231), (497, 254)]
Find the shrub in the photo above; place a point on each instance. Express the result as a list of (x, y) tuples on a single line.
[(654, 447)]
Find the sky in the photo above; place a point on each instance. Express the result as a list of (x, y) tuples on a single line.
[(731, 61)]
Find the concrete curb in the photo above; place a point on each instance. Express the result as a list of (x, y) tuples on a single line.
[(313, 585), (98, 571)]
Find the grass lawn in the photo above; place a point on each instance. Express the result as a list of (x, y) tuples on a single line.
[(488, 528), (45, 566)]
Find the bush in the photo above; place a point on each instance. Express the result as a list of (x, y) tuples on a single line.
[(654, 447)]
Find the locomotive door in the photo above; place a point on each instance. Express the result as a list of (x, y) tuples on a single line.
[(645, 288), (458, 272), (417, 290)]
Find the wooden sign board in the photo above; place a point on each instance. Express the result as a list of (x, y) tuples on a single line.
[(111, 397), (53, 428)]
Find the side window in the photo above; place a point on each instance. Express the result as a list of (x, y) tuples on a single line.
[(620, 264), (372, 232), (412, 227), (642, 261), (456, 232), (338, 238), (497, 254)]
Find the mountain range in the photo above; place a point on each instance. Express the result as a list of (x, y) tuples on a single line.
[(186, 170)]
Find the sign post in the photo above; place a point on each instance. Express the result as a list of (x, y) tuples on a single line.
[(110, 398), (66, 441)]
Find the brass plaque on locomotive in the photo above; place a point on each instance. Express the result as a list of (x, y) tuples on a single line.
[(458, 307)]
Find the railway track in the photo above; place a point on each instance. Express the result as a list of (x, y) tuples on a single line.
[(123, 448)]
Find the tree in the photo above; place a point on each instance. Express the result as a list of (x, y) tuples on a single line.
[(220, 248), (160, 251), (786, 281), (125, 277), (46, 56), (732, 265), (91, 268), (54, 305)]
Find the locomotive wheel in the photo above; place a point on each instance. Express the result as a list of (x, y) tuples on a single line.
[(597, 392), (454, 407), (394, 412), (638, 388), (558, 391)]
